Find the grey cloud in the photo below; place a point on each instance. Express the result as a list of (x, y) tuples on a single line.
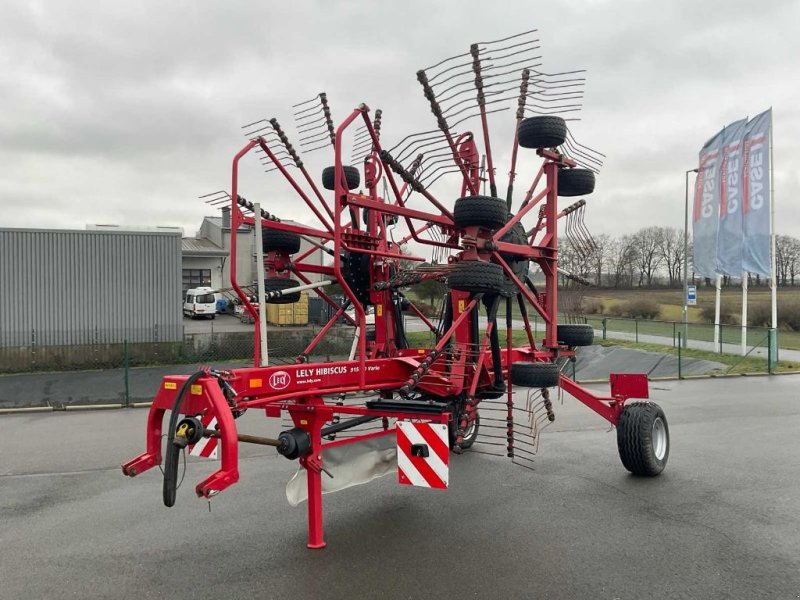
[(126, 112)]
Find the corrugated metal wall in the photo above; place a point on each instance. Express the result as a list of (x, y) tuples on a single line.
[(85, 287)]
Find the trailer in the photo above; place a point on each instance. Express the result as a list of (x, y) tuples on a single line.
[(424, 401)]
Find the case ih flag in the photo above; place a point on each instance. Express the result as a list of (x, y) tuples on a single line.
[(731, 167), (757, 198), (705, 220), (423, 454)]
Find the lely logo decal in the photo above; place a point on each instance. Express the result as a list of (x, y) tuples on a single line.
[(280, 380)]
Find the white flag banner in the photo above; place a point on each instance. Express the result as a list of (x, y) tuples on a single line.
[(731, 166), (756, 249), (705, 219)]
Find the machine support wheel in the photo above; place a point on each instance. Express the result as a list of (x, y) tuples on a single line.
[(273, 284), (535, 375), (575, 182), (575, 335), (470, 434), (351, 174), (476, 276), (542, 132), (643, 438), (483, 211), (282, 241)]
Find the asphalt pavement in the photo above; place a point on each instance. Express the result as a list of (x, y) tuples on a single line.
[(720, 522)]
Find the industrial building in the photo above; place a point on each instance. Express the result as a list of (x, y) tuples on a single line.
[(206, 256), (103, 285)]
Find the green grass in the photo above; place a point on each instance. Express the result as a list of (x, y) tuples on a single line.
[(736, 364)]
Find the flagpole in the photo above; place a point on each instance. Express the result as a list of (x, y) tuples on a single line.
[(745, 282), (718, 285), (773, 279)]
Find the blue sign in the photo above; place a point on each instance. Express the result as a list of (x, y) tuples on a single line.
[(691, 295)]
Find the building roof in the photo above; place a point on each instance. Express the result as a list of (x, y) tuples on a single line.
[(201, 247), (217, 221)]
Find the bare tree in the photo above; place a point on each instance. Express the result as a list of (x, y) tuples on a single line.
[(600, 256), (787, 259), (670, 247), (646, 242), (621, 257)]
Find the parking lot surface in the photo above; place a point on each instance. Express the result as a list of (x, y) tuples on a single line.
[(721, 522)]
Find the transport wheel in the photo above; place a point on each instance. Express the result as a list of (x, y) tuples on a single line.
[(542, 132), (575, 335), (535, 375), (282, 241), (476, 276), (643, 438), (575, 182), (351, 175), (273, 284), (483, 211)]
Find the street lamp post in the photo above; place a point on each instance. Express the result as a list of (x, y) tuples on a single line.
[(686, 262)]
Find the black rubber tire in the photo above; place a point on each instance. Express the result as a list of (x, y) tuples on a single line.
[(351, 174), (518, 264), (542, 132), (575, 182), (282, 241), (575, 335), (356, 274), (272, 284), (483, 211), (476, 276), (635, 438), (535, 375), (466, 441)]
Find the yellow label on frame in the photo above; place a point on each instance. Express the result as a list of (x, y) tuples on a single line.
[(379, 310), (197, 390), (462, 304), (170, 385), (255, 383)]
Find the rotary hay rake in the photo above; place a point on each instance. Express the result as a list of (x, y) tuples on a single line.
[(426, 401)]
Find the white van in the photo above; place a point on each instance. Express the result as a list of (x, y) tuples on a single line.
[(200, 302)]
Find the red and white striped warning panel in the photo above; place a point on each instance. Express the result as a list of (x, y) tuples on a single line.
[(207, 447), (423, 454)]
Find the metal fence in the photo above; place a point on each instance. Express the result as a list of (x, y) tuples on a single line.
[(743, 350)]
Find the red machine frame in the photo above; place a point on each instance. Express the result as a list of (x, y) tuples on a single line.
[(304, 390)]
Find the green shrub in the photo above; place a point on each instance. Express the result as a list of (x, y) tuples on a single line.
[(726, 316), (640, 308), (592, 306), (788, 315)]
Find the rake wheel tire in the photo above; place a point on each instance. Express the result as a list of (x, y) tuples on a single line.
[(643, 438), (351, 175), (535, 375), (282, 241), (484, 211), (273, 284), (575, 335), (575, 182), (542, 132), (476, 276)]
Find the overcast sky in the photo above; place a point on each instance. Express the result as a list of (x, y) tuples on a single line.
[(126, 112)]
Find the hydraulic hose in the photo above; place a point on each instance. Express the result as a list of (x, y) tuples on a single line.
[(173, 455)]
